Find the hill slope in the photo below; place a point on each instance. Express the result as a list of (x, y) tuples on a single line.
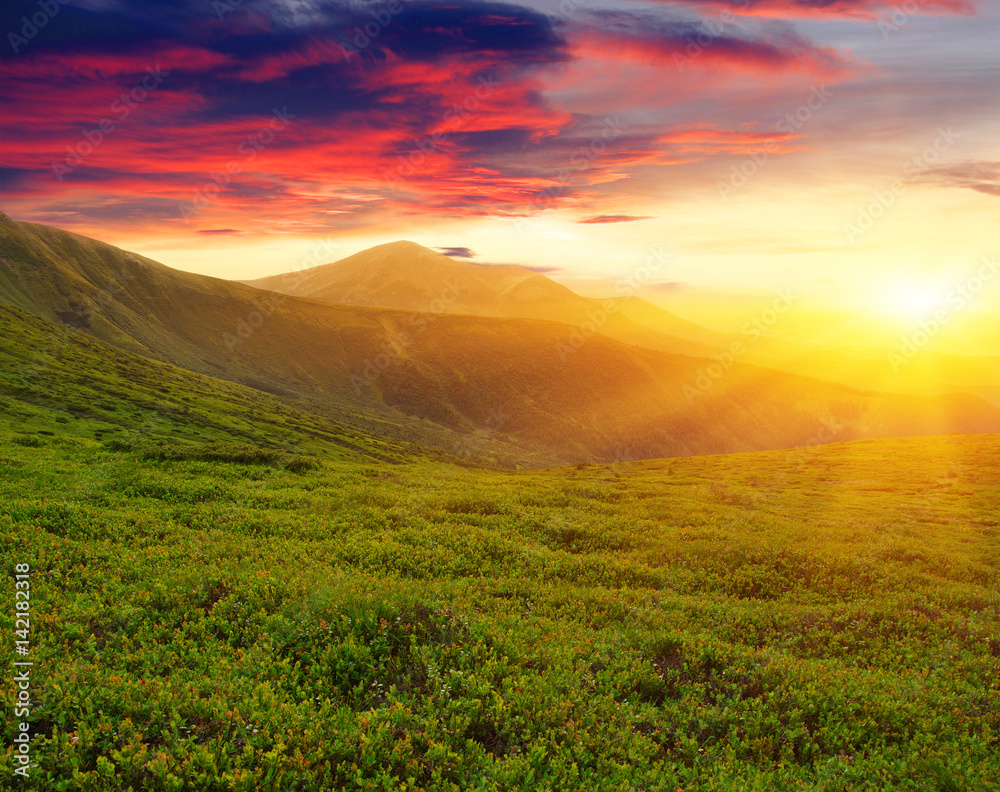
[(58, 381)]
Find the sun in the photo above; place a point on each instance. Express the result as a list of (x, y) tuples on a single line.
[(912, 300)]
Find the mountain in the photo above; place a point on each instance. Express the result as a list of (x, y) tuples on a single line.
[(411, 277), (510, 391), (408, 276)]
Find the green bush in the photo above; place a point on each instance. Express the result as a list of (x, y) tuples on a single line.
[(28, 441)]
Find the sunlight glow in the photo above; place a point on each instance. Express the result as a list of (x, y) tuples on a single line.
[(913, 300)]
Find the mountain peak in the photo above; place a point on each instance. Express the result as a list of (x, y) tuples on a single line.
[(408, 276), (404, 245)]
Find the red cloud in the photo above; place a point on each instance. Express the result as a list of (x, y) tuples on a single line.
[(110, 66), (715, 142), (707, 51)]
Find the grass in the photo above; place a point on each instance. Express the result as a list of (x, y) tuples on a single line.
[(208, 616), (56, 380)]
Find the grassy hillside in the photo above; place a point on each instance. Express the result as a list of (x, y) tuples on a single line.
[(193, 321), (59, 381), (511, 391), (813, 620)]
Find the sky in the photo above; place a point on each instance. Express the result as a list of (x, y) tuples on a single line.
[(846, 149)]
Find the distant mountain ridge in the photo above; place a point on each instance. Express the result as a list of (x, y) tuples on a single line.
[(493, 387), (406, 276), (411, 277)]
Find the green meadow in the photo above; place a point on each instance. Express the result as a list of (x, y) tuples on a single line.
[(216, 615)]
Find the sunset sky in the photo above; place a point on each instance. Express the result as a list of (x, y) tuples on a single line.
[(846, 148)]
